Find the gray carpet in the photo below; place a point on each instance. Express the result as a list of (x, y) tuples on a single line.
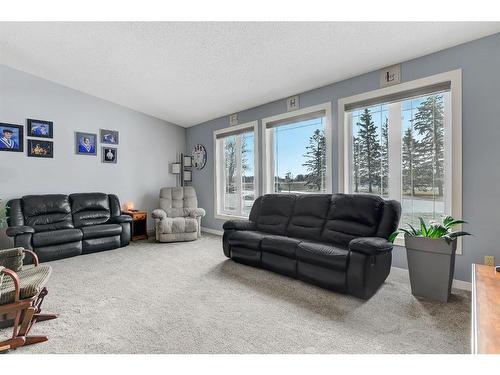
[(188, 298)]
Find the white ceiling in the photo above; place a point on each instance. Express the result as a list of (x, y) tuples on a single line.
[(187, 73)]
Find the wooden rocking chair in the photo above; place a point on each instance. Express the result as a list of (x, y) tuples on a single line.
[(22, 290)]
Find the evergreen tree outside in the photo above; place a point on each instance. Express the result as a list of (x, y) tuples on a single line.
[(384, 157), (429, 123), (408, 161), (316, 161), (369, 147), (355, 162)]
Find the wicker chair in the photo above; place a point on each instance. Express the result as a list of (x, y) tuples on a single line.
[(22, 290)]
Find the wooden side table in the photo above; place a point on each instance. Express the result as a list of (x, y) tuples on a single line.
[(485, 337), (139, 224)]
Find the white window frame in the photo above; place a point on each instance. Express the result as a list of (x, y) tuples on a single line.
[(219, 169), (453, 134), (267, 144)]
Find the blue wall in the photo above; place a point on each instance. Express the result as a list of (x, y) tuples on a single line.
[(480, 64)]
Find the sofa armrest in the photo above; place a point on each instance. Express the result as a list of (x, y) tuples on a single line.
[(196, 212), (370, 245), (120, 219), (239, 225), (20, 229)]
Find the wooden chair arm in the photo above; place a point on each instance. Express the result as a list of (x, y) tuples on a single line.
[(15, 279), (32, 253)]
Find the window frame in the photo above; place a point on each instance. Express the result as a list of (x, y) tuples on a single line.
[(267, 144), (218, 161), (453, 138)]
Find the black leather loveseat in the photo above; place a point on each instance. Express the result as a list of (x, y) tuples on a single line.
[(335, 241), (58, 226)]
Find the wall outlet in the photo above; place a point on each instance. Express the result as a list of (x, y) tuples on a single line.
[(489, 260)]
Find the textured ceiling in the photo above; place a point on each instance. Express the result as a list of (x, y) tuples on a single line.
[(187, 73)]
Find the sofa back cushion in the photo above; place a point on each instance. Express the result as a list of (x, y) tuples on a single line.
[(177, 202), (89, 209), (275, 213), (351, 216), (308, 216), (47, 212)]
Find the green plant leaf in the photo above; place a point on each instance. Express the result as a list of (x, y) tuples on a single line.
[(458, 234), (393, 236), (455, 222), (423, 227), (414, 232)]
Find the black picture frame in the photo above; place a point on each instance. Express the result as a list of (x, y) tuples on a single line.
[(40, 149), (36, 128), (105, 151), (17, 136)]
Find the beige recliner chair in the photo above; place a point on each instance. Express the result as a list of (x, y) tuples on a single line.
[(178, 218)]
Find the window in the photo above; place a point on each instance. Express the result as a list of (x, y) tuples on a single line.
[(297, 151), (235, 170), (406, 145)]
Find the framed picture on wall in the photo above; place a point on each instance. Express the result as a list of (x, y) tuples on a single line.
[(85, 143), (188, 161), (109, 137), (109, 155), (11, 137), (40, 149), (40, 128), (188, 177)]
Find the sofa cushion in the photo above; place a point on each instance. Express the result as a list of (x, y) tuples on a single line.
[(177, 225), (275, 212), (309, 215), (47, 212), (56, 237), (89, 209), (246, 239), (280, 245), (99, 231), (351, 216), (322, 254)]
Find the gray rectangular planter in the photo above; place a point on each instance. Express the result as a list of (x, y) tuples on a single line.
[(431, 264)]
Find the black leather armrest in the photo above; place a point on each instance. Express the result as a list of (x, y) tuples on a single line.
[(120, 219), (239, 225), (21, 229), (370, 245)]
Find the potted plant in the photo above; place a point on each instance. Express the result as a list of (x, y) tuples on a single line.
[(431, 256)]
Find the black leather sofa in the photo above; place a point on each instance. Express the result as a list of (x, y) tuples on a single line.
[(337, 241), (58, 226)]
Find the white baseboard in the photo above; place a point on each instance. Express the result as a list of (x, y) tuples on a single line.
[(212, 231), (457, 284)]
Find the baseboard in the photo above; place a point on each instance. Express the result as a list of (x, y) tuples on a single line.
[(457, 284), (212, 231)]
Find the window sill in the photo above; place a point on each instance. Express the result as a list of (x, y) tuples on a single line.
[(230, 217)]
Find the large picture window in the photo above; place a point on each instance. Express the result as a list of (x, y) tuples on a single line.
[(235, 167), (406, 145), (296, 151)]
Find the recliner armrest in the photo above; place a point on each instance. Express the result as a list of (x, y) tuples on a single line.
[(20, 229), (159, 214), (196, 212), (370, 245), (120, 219), (239, 225)]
